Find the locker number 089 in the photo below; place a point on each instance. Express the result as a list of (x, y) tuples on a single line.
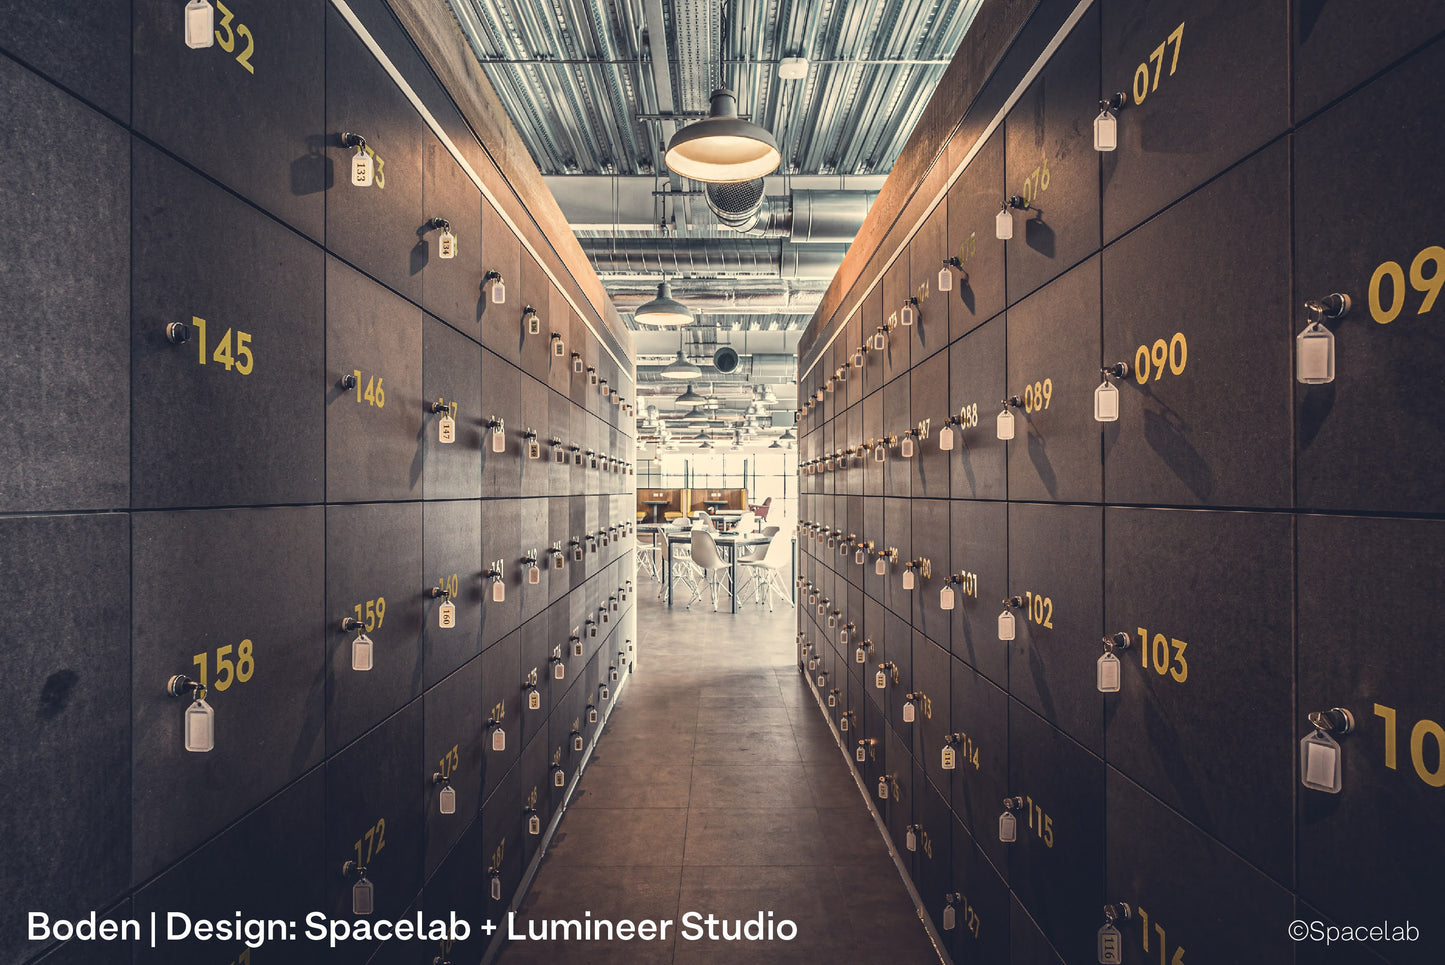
[(1429, 285), (1038, 395)]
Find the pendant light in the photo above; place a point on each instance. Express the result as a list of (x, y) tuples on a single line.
[(689, 397), (680, 368), (663, 310), (722, 147)]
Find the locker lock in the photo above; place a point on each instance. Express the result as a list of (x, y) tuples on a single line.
[(1336, 720), (350, 623), (179, 333), (847, 721), (1330, 307), (439, 224), (499, 286), (1119, 370), (1003, 224), (910, 706), (1118, 641), (348, 381), (909, 310), (886, 670), (349, 139), (833, 697), (865, 547), (1106, 125), (864, 649), (435, 592), (864, 750), (945, 274)]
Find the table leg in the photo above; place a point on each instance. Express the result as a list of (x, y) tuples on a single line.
[(670, 568), (734, 595)]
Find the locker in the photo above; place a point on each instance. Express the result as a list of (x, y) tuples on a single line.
[(1055, 867), (77, 167), (1052, 166), (1357, 862), (559, 523), (559, 368), (80, 47), (535, 672), (897, 651), (897, 532), (452, 753), (1338, 45), (979, 557), (926, 252), (267, 866), (373, 566), (980, 934), (1387, 346), (534, 291), (932, 718), (230, 415), (449, 285), (979, 461), (978, 280), (849, 342), (452, 376), (897, 810), (501, 708), (501, 417), (452, 533), (1172, 134), (460, 885), (897, 353), (1190, 432), (1185, 889), (851, 427), (559, 422), (76, 722), (249, 584), (1053, 370), (1055, 555), (247, 110), (533, 776), (930, 541), (933, 837), (1027, 942), (875, 367), (533, 409), (374, 414), (502, 846), (375, 820), (979, 780), (1157, 563), (382, 228), (929, 404), (501, 542)]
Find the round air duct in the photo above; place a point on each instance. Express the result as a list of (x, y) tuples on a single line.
[(725, 359), (736, 203)]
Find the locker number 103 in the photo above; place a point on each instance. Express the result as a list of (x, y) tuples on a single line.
[(1165, 654), (1423, 729)]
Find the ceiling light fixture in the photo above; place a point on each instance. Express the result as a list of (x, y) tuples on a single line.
[(722, 147), (689, 397), (663, 310), (680, 369)]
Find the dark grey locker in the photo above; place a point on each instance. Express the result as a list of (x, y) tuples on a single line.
[(451, 377), (77, 45), (234, 599), (973, 203), (232, 413), (74, 189), (450, 287), (452, 752), (249, 109)]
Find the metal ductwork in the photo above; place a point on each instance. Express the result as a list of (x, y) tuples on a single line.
[(737, 303), (736, 203), (757, 367), (745, 256), (804, 217)]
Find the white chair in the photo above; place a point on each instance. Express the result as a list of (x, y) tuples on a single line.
[(772, 530), (647, 555), (766, 572), (706, 557)]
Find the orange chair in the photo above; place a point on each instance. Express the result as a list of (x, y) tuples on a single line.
[(761, 509)]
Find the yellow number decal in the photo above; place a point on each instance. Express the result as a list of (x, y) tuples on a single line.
[(1427, 285), (1151, 361), (1423, 728), (228, 671), (1396, 274), (1142, 85), (372, 615), (244, 57), (228, 42)]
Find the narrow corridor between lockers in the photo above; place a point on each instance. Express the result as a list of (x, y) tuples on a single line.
[(718, 788)]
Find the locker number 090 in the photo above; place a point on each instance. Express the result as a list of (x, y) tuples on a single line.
[(1429, 285), (1152, 360)]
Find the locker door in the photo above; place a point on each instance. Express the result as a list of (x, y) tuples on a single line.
[(978, 281), (449, 285), (452, 532), (452, 376), (79, 46), (929, 404), (926, 251), (980, 778), (452, 758), (977, 381)]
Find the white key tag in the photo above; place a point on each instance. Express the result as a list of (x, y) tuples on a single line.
[(945, 439), (911, 840), (1005, 425), (447, 244), (200, 725), (577, 647), (499, 738), (843, 724), (559, 777), (1108, 674), (908, 578), (883, 788), (577, 742), (496, 886), (534, 574), (559, 670), (1111, 945), (557, 559), (447, 615), (361, 652), (446, 430), (499, 436), (1315, 355), (1008, 827), (499, 591), (861, 754), (534, 449), (362, 168), (1106, 402), (880, 680), (822, 677), (945, 279), (833, 700), (860, 556), (905, 447), (843, 637), (606, 693), (1320, 763), (945, 598), (910, 711), (950, 917), (812, 663), (577, 553), (200, 24), (881, 567), (447, 799), (950, 758), (534, 824), (534, 699), (363, 897), (1006, 625), (860, 656)]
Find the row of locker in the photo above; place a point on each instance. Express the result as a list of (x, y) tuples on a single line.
[(1220, 661), (223, 359), (266, 608), (1201, 301), (277, 103)]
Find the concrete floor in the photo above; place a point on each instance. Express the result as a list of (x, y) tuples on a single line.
[(718, 788)]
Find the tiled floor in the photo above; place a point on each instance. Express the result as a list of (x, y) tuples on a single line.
[(717, 788)]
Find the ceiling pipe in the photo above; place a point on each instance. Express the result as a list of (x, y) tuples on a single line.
[(725, 258), (734, 303)]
